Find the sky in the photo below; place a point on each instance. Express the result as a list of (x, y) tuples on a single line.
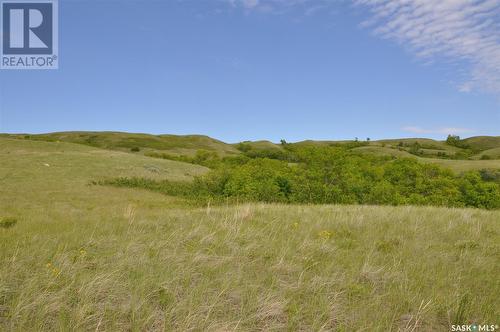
[(242, 70)]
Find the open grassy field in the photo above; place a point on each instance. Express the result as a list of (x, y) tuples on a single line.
[(85, 257)]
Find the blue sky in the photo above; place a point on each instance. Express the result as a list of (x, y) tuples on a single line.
[(247, 69)]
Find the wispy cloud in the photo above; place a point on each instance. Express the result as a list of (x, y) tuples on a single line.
[(279, 6), (466, 32), (457, 30), (250, 3), (441, 131)]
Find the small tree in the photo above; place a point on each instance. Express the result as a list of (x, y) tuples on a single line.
[(453, 140)]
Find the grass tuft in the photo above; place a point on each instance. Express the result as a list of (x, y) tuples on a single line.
[(8, 222)]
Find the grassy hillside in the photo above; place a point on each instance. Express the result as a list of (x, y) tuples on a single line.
[(33, 171), (424, 142), (490, 153), (429, 150), (383, 151), (482, 143), (320, 143), (186, 145), (461, 166), (458, 166), (83, 257), (261, 145)]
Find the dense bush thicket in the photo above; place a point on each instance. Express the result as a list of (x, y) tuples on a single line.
[(333, 175)]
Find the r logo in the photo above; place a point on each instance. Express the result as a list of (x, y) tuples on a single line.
[(27, 28)]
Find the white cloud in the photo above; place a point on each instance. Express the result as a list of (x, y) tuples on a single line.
[(466, 32), (442, 131), (456, 30)]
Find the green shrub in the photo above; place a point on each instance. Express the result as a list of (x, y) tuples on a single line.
[(478, 193)]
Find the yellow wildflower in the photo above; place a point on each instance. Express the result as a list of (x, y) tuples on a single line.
[(325, 235)]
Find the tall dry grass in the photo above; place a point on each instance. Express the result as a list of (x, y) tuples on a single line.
[(252, 267)]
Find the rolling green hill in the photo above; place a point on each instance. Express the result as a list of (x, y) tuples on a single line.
[(481, 143), (426, 150), (181, 145)]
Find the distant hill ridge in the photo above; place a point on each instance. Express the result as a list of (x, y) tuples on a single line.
[(478, 147)]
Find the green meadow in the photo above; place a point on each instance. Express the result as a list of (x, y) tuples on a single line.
[(79, 256)]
